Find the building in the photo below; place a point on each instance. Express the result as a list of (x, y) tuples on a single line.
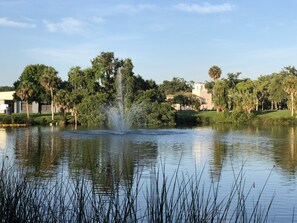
[(205, 97), (8, 105)]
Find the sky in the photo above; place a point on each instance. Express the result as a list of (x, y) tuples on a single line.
[(164, 39)]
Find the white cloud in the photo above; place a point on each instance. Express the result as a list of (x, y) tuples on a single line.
[(205, 8), (67, 25), (9, 23), (135, 8)]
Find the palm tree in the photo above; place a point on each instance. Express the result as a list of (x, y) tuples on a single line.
[(62, 100), (25, 91), (215, 73), (50, 81)]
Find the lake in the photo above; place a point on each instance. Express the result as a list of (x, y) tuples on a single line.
[(264, 156)]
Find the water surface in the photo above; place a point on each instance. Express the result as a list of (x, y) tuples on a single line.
[(217, 153)]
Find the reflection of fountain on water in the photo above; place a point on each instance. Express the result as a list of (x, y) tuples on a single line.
[(120, 117)]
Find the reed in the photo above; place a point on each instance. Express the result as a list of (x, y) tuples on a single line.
[(179, 198)]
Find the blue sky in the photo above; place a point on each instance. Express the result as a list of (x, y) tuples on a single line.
[(164, 39)]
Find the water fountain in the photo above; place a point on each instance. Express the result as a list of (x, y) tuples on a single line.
[(120, 117)]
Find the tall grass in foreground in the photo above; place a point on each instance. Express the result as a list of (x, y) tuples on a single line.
[(180, 198)]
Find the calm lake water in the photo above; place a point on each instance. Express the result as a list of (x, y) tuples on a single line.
[(217, 153)]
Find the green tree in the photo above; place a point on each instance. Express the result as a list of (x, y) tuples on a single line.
[(215, 73), (275, 90), (220, 97), (289, 70), (245, 95), (175, 85), (50, 81), (290, 87), (62, 99), (128, 85), (91, 110), (180, 99), (261, 91), (106, 66), (32, 74), (6, 88), (77, 89), (25, 91)]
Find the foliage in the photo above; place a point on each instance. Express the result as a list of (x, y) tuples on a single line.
[(156, 114), (50, 81), (187, 118), (275, 90), (178, 198), (32, 74), (6, 88), (290, 87), (215, 73), (91, 110), (220, 98), (175, 85), (100, 83), (233, 117), (14, 119), (106, 67), (25, 92), (245, 96)]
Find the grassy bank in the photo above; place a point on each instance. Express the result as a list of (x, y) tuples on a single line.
[(173, 199), (35, 119), (184, 118), (282, 117)]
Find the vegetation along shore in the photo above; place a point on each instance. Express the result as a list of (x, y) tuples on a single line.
[(85, 97)]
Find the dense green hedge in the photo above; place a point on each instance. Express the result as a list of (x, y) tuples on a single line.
[(14, 119)]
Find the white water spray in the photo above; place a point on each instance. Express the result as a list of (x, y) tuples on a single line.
[(120, 117)]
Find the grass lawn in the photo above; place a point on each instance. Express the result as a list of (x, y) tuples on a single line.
[(274, 114), (207, 114)]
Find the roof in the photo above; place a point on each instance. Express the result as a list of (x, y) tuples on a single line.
[(6, 95)]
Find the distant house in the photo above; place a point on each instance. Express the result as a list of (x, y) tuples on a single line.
[(205, 97), (8, 105)]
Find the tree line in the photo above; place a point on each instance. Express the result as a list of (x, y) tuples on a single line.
[(88, 92), (268, 92)]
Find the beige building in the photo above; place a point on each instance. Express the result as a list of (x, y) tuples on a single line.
[(205, 97)]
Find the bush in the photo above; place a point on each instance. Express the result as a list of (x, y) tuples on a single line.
[(14, 119), (188, 118), (91, 110)]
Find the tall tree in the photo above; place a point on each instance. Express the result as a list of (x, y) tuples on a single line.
[(176, 85), (275, 90), (128, 82), (290, 87), (80, 84), (261, 90), (32, 74), (220, 98), (106, 66), (50, 81), (289, 70), (25, 91), (62, 100), (245, 95), (215, 73)]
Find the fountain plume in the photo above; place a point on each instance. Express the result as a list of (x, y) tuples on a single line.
[(121, 117)]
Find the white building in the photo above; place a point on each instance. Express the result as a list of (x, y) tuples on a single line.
[(6, 102), (8, 106)]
